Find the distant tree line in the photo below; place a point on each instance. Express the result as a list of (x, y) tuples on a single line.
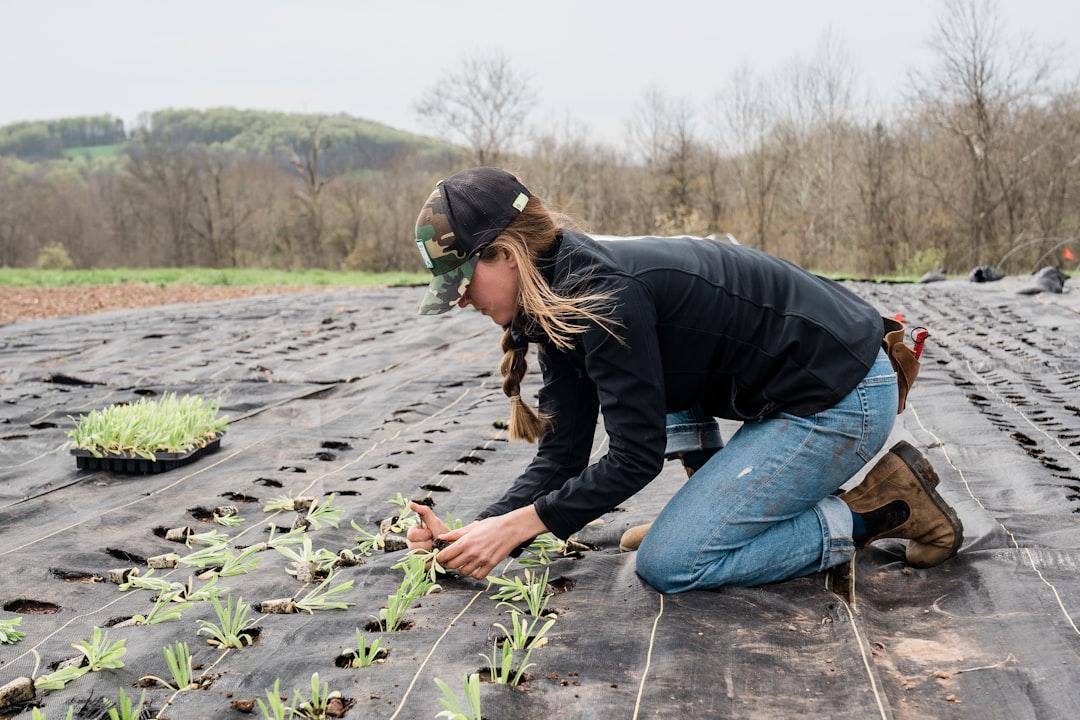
[(979, 164)]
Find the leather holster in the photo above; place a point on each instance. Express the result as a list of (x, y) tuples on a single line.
[(902, 358)]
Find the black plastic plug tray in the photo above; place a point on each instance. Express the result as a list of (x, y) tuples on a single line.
[(131, 464)]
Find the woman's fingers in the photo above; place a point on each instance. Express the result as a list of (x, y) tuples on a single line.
[(429, 518)]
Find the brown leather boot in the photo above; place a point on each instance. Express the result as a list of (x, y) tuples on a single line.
[(631, 539), (932, 529)]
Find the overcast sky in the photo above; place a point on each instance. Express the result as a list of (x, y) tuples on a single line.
[(591, 58)]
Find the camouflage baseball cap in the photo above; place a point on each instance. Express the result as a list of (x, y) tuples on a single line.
[(461, 217)]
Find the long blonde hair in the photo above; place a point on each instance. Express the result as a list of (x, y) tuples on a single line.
[(561, 317)]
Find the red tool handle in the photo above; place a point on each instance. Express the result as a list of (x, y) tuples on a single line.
[(919, 335)]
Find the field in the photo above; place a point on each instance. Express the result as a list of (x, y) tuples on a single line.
[(346, 392), (29, 294)]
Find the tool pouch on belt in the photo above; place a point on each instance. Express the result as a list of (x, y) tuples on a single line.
[(902, 358)]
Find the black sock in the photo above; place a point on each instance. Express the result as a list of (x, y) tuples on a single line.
[(868, 524), (694, 459)]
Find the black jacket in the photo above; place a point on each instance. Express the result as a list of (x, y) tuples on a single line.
[(741, 333)]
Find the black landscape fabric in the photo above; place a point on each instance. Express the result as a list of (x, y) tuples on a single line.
[(349, 392)]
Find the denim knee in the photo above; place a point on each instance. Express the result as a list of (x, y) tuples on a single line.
[(662, 570)]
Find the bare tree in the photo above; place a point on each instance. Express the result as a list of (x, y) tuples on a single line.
[(163, 176), (483, 103), (306, 231), (750, 130), (979, 83), (816, 97), (662, 132), (226, 200)]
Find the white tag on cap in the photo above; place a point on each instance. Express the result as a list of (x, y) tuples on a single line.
[(424, 253), (521, 201)]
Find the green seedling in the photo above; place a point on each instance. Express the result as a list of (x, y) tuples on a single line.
[(306, 562), (542, 550), (208, 591), (232, 622), (210, 537), (315, 707), (365, 654), (229, 521), (279, 503), (167, 424), (210, 556), (123, 709), (8, 634), (426, 560), (220, 556), (275, 708), (525, 635), (55, 680), (318, 598), (455, 709), (39, 714), (100, 653), (322, 512), (58, 679), (240, 564), (178, 661), (533, 591), (501, 664), (367, 543), (275, 541), (149, 582), (405, 517), (166, 609), (412, 588)]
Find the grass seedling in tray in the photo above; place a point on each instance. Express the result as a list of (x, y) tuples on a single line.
[(170, 427)]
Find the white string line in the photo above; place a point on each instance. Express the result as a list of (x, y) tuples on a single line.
[(1018, 411), (431, 651), (945, 451), (308, 487), (251, 413), (1012, 537), (260, 523), (865, 658), (234, 454), (510, 562), (648, 658), (445, 632), (1053, 589)]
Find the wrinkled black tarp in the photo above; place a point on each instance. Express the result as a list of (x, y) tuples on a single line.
[(992, 634)]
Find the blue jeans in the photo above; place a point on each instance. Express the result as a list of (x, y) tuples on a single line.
[(761, 510)]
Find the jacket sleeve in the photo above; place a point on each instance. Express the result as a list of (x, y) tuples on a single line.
[(570, 398), (629, 382)]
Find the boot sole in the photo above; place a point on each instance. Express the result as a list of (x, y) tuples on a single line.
[(928, 479)]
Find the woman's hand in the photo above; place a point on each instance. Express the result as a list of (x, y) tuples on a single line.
[(479, 546), (420, 537)]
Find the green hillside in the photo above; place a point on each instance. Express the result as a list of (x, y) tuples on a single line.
[(347, 143)]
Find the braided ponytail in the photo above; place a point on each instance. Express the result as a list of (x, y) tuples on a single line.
[(560, 317), (526, 423)]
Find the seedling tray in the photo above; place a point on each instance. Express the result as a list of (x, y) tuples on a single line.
[(131, 464)]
